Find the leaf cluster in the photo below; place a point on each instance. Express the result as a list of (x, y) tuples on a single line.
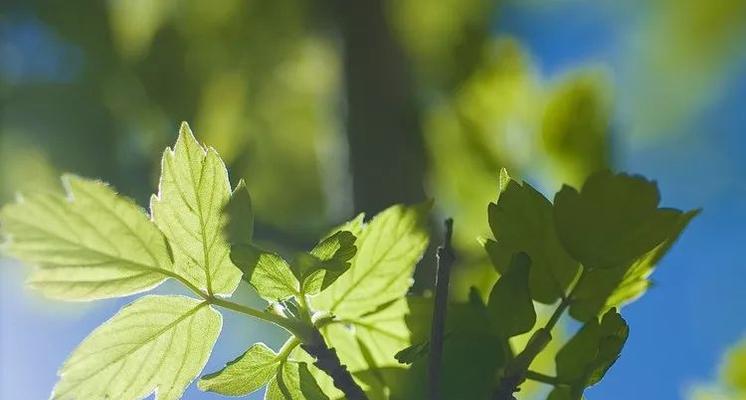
[(353, 332)]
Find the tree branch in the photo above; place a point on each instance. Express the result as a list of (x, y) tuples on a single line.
[(328, 361), (445, 258)]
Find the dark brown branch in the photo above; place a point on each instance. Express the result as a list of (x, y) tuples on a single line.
[(445, 258), (328, 361)]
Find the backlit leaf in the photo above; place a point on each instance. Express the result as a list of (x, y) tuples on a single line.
[(328, 261), (510, 308), (388, 248), (244, 375), (193, 190), (584, 360), (522, 221), (293, 381), (91, 244), (603, 289), (613, 220), (156, 344)]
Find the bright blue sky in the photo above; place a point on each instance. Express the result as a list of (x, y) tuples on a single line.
[(678, 330)]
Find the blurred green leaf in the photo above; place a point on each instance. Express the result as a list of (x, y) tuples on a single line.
[(576, 126), (522, 221), (613, 220), (91, 244), (510, 308)]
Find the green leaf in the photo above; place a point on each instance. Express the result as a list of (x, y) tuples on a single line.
[(239, 228), (91, 244), (522, 221), (510, 308), (614, 220), (244, 375), (415, 352), (273, 279), (193, 190), (328, 261), (388, 249), (294, 382), (584, 360), (603, 289), (156, 344)]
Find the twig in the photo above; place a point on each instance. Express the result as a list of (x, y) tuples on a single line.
[(445, 258), (328, 361)]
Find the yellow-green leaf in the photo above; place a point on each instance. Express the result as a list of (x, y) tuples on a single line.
[(90, 244), (156, 344), (388, 248), (193, 190), (244, 375)]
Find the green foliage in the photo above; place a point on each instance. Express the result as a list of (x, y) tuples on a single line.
[(244, 375), (344, 302), (584, 360), (90, 244), (192, 191), (612, 221), (510, 307), (156, 343), (522, 221)]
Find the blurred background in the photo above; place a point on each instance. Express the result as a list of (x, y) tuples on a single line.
[(328, 108)]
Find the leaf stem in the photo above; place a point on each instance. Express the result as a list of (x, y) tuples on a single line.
[(543, 378), (295, 327), (516, 372), (445, 259)]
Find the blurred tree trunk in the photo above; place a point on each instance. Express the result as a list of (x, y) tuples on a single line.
[(385, 138)]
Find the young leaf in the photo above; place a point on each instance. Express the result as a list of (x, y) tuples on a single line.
[(193, 190), (327, 262), (92, 244), (584, 360), (156, 344), (244, 375), (510, 308), (603, 289), (522, 221), (273, 279), (613, 220), (388, 249)]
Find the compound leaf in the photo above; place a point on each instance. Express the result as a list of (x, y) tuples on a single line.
[(90, 244), (388, 249), (192, 193), (156, 344), (244, 375), (522, 221), (510, 308), (613, 220)]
